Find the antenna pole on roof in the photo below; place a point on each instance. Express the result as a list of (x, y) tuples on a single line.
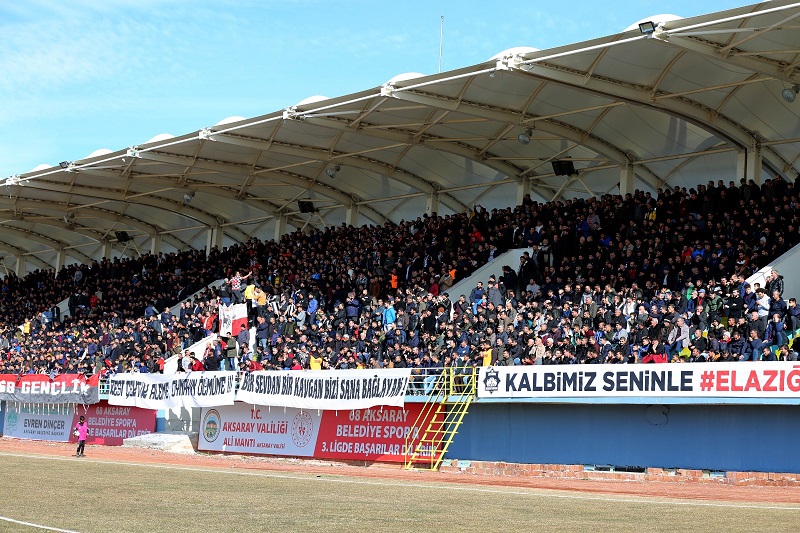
[(441, 35)]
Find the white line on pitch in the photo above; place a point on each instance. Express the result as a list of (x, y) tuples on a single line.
[(551, 493), (37, 526)]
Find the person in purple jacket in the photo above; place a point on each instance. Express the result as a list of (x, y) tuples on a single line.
[(81, 430)]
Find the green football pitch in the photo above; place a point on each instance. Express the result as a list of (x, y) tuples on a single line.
[(85, 495)]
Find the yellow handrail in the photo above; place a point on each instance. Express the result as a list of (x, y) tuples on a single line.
[(439, 419)]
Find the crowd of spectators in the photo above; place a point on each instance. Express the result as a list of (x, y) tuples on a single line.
[(610, 279)]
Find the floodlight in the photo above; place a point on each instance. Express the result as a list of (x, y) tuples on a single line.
[(64, 164), (647, 28), (790, 94), (525, 138), (331, 172)]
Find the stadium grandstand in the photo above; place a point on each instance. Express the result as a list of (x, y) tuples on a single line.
[(645, 177)]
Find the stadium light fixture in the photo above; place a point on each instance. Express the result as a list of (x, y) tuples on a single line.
[(64, 164), (331, 172), (790, 94), (187, 197), (524, 138), (647, 28)]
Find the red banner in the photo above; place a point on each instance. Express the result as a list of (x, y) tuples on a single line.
[(39, 388), (375, 434), (109, 425)]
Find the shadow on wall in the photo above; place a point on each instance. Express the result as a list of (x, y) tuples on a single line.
[(182, 420)]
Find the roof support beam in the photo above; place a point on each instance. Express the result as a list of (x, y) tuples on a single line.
[(232, 191), (55, 209), (61, 257), (753, 64), (626, 179), (19, 251), (48, 242), (356, 160), (280, 228), (351, 218), (523, 188), (105, 195), (284, 176), (459, 149), (498, 164), (620, 91), (432, 203), (708, 119), (727, 49), (755, 165), (576, 135), (21, 266)]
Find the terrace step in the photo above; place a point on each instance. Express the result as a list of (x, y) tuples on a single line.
[(169, 442)]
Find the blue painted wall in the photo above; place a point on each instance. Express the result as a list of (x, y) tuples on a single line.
[(712, 437), (161, 421)]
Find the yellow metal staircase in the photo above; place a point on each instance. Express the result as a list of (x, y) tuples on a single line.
[(438, 422)]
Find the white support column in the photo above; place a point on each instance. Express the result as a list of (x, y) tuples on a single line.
[(741, 167), (213, 238), (107, 249), (432, 203), (351, 218), (626, 176), (280, 227), (155, 244), (21, 265), (523, 188), (754, 163), (61, 257)]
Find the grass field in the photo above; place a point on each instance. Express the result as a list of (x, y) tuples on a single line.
[(87, 495)]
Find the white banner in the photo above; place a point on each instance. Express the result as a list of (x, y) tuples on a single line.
[(702, 380), (325, 389), (157, 391), (38, 421), (244, 428)]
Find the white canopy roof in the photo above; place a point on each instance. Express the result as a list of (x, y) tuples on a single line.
[(698, 99)]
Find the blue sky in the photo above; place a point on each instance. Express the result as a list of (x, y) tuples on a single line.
[(78, 75)]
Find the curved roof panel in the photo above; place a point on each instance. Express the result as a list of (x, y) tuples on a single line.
[(681, 105)]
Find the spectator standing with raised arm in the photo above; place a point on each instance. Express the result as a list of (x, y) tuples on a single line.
[(237, 287)]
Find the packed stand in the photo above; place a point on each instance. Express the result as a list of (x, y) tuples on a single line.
[(611, 279)]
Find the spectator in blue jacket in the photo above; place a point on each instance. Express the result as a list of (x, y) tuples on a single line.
[(793, 315), (475, 296), (389, 316), (776, 332), (737, 345), (352, 306), (752, 349)]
